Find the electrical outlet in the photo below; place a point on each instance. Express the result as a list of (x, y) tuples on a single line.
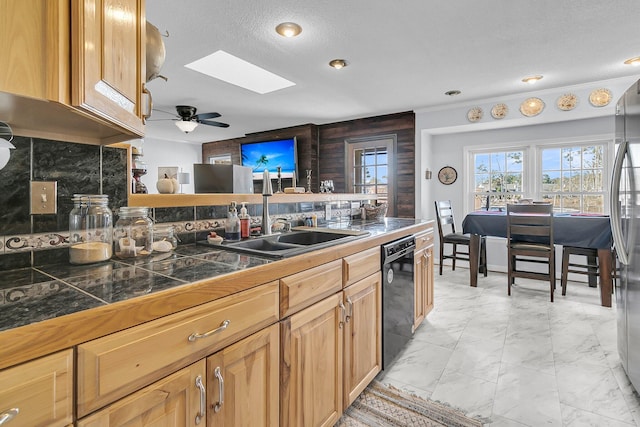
[(327, 212), (44, 197)]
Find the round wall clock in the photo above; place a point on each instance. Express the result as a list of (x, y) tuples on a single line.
[(447, 175)]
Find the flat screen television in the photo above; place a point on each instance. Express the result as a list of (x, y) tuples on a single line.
[(269, 155)]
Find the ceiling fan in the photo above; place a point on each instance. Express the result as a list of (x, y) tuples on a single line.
[(189, 120)]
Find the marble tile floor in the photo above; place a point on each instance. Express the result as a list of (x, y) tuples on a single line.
[(519, 360)]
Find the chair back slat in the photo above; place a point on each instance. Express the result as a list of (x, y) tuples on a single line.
[(444, 216), (530, 221)]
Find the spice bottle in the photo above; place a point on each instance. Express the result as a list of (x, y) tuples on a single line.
[(90, 229), (133, 233)]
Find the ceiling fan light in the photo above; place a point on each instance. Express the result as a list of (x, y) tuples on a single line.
[(288, 29), (635, 61), (532, 79), (186, 126)]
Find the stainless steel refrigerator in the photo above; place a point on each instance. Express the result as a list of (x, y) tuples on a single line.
[(625, 225)]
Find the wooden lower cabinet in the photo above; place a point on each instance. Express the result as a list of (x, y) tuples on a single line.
[(311, 370), (362, 335), (38, 393), (330, 352), (172, 401), (237, 386), (423, 271), (243, 382)]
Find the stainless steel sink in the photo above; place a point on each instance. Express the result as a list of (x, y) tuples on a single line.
[(289, 244)]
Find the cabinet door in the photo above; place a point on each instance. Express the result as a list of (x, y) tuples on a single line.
[(177, 400), (311, 370), (38, 393), (423, 277), (243, 382), (363, 335), (108, 60)]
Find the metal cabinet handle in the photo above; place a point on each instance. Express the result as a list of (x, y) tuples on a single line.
[(203, 400), (147, 92), (350, 314), (8, 415), (344, 313), (218, 374), (194, 336)]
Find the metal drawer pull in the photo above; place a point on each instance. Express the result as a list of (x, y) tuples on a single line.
[(194, 336), (203, 400), (344, 314), (350, 315), (218, 375), (8, 415)]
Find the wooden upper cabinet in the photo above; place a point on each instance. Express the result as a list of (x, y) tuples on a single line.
[(74, 70), (108, 60)]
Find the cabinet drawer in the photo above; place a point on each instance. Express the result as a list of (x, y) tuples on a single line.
[(303, 289), (39, 393), (116, 365), (424, 239), (361, 265)]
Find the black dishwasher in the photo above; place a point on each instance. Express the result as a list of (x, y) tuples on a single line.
[(398, 295)]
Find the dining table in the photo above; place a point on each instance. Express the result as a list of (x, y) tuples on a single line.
[(569, 229)]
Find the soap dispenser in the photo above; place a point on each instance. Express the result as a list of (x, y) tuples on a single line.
[(232, 225), (245, 222)]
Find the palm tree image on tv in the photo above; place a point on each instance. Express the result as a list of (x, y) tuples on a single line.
[(269, 155), (262, 161)]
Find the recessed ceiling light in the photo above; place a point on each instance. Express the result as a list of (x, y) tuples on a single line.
[(532, 79), (228, 68), (288, 29), (338, 63), (635, 61), (452, 92)]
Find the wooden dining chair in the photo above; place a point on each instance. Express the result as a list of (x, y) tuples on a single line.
[(449, 236), (530, 240), (589, 267)]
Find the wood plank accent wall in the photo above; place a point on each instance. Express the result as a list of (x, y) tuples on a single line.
[(332, 153), (321, 148)]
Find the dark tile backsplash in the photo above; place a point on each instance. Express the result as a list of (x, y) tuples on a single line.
[(91, 169), (77, 168)]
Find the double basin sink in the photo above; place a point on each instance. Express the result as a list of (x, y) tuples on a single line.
[(292, 243)]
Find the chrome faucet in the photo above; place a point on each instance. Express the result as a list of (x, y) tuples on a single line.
[(267, 191)]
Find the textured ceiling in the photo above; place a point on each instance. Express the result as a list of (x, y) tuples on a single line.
[(402, 55)]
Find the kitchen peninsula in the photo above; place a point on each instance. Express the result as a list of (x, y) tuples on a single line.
[(170, 324)]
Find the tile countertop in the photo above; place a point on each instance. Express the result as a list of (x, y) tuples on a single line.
[(47, 295)]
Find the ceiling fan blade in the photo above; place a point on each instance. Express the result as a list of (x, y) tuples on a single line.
[(213, 123), (205, 116)]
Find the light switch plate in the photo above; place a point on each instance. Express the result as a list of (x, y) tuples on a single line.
[(44, 197)]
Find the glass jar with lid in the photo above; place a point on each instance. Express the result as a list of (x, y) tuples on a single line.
[(133, 233), (90, 229), (164, 239)]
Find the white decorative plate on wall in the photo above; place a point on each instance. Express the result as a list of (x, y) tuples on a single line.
[(532, 107), (499, 111), (567, 102), (600, 97), (475, 114)]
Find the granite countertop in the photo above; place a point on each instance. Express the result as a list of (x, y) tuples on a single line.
[(32, 296)]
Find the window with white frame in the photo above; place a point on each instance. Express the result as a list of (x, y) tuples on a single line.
[(571, 176), (499, 178)]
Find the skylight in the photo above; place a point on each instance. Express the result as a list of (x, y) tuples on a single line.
[(228, 68)]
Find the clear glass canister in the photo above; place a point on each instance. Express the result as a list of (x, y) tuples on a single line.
[(133, 233), (164, 239), (90, 229)]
